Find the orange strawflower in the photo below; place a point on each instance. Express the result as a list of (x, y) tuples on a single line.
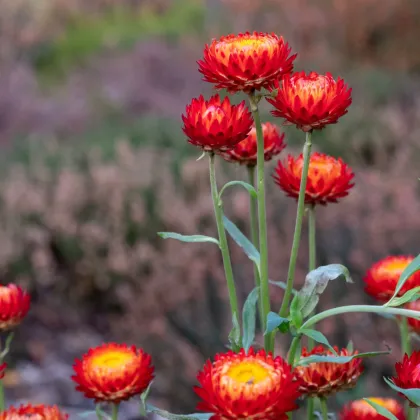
[(253, 386), (310, 101), (216, 125), (323, 379), (412, 322), (361, 410), (382, 278), (245, 152), (246, 62), (14, 305), (33, 412), (328, 178), (408, 372), (113, 372)]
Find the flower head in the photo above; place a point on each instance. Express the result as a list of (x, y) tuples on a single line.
[(113, 372), (245, 152), (361, 410), (382, 278), (246, 62), (328, 178), (216, 125), (247, 386), (408, 372), (14, 305), (310, 101), (33, 412), (413, 322), (325, 378)]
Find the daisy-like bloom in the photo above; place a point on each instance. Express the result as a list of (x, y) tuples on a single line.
[(14, 305), (113, 372), (328, 178), (253, 386), (245, 152), (246, 62), (382, 278), (361, 410), (310, 101), (408, 372), (323, 379), (216, 125), (33, 412), (412, 322)]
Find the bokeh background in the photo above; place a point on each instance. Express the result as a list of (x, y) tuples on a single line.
[(94, 163)]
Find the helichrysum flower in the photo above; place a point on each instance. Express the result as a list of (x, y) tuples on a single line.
[(245, 152), (246, 62), (382, 278), (253, 386), (34, 412), (408, 372), (413, 322), (14, 305), (113, 372), (310, 101), (325, 378), (329, 179), (216, 125), (361, 410)]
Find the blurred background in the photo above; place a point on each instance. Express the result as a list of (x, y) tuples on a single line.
[(94, 163)]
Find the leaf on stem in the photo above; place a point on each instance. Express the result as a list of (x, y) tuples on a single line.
[(282, 285), (275, 321), (235, 334), (305, 361), (143, 400), (249, 319), (251, 190), (381, 409), (411, 295), (318, 337), (187, 238), (405, 275), (413, 394), (170, 416)]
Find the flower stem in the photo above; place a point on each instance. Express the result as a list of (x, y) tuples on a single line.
[(253, 209), (98, 412), (298, 226), (262, 223), (418, 414), (293, 348), (223, 244), (324, 408), (115, 408), (406, 349)]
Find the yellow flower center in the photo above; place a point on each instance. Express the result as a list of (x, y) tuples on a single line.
[(314, 86), (396, 267), (379, 401), (112, 359), (248, 372)]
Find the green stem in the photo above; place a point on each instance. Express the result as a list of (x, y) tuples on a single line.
[(253, 209), (311, 408), (262, 222), (293, 348), (324, 408), (298, 226), (115, 408), (312, 250), (218, 212), (98, 412), (406, 349), (418, 413)]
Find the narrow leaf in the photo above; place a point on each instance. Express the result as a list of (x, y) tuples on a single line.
[(143, 400), (405, 275), (319, 338), (249, 319), (187, 238), (201, 156), (274, 321), (235, 334), (248, 187), (242, 241), (295, 313), (412, 294), (282, 285), (380, 409), (350, 347), (413, 394), (338, 359), (170, 416)]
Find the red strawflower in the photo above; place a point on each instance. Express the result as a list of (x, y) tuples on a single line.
[(328, 178), (412, 322), (113, 372), (382, 278), (361, 410), (245, 152), (3, 367), (310, 101), (253, 386), (323, 379), (246, 62), (408, 372), (33, 412), (14, 305), (215, 125)]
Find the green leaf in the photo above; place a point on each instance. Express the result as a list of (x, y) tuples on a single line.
[(242, 241), (316, 282), (282, 285), (248, 187), (249, 319), (143, 400), (318, 337), (338, 359), (187, 238), (405, 275), (295, 313), (381, 409), (235, 334), (413, 394), (412, 294), (274, 321), (170, 416), (350, 347)]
